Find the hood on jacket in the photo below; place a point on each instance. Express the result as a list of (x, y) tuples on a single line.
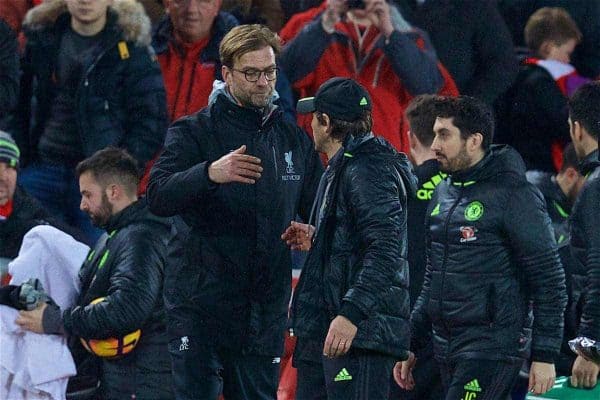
[(500, 159), (376, 144), (130, 14)]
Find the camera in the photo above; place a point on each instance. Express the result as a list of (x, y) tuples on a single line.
[(352, 4)]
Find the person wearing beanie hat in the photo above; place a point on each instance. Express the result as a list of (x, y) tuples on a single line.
[(18, 211), (351, 308), (9, 152)]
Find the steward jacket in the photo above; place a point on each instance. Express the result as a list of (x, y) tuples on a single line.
[(392, 71), (491, 252), (127, 270), (120, 98), (357, 265), (235, 269), (585, 247)]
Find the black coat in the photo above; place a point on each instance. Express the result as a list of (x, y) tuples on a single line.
[(491, 250), (532, 115), (585, 247), (9, 69), (429, 176), (358, 258), (128, 270), (471, 40), (235, 268), (27, 213), (120, 99)]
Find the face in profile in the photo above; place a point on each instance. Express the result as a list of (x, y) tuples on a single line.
[(94, 201), (8, 183), (449, 147), (252, 78)]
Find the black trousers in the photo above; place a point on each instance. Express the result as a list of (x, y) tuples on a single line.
[(202, 372), (357, 375), (478, 379)]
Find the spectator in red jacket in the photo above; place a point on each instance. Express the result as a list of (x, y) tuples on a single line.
[(375, 46)]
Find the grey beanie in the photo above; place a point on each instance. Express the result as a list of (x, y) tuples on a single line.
[(9, 152)]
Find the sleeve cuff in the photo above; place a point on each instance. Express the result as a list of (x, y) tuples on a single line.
[(544, 356), (353, 313), (52, 320)]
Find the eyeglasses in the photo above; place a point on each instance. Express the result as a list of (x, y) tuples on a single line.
[(253, 75)]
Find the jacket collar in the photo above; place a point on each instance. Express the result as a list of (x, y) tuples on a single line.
[(589, 163), (126, 216)]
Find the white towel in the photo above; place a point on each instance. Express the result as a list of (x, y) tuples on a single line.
[(38, 366)]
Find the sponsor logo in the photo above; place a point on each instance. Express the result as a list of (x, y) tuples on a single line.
[(467, 234), (471, 390), (426, 190), (436, 210), (343, 375), (276, 360), (185, 343)]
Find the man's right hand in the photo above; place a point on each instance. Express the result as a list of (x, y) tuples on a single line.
[(298, 236), (585, 373), (333, 14), (235, 167), (403, 372)]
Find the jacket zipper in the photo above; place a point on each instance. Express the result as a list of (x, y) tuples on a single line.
[(85, 79), (275, 162), (445, 259)]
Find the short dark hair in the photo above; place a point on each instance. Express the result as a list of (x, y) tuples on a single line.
[(421, 113), (340, 129), (552, 24), (584, 107), (470, 116), (569, 158), (243, 39), (112, 165)]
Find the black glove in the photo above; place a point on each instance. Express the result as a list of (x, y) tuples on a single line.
[(9, 296), (27, 296)]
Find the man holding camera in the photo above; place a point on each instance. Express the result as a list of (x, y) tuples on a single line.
[(372, 43)]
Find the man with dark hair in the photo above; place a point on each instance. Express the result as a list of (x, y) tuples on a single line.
[(491, 250), (421, 113), (351, 306), (237, 173), (126, 269), (584, 123), (89, 80)]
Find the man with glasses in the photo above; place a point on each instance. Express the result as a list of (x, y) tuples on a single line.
[(237, 173), (187, 45)]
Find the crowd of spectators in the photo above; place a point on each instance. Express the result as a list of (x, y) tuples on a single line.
[(78, 76)]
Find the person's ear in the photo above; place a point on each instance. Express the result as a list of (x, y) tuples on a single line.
[(474, 142)]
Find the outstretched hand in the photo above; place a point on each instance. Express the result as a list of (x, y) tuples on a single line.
[(298, 236)]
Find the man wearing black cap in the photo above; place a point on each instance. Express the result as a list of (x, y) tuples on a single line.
[(18, 211), (351, 307)]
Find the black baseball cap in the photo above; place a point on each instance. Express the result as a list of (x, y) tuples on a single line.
[(340, 98)]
